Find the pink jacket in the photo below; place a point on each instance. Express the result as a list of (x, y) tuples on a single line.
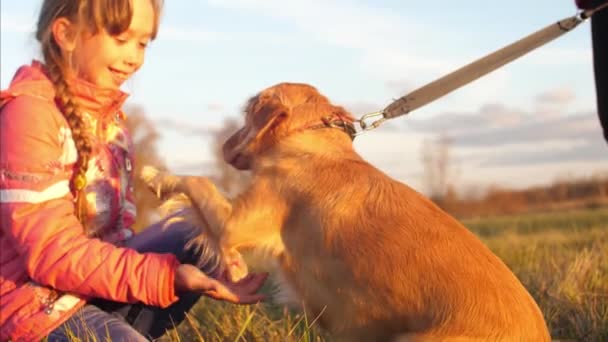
[(42, 243)]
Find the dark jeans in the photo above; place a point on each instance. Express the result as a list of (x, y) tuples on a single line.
[(104, 319)]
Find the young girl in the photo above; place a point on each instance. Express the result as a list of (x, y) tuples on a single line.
[(66, 195)]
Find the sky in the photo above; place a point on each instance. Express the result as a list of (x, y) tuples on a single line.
[(532, 122)]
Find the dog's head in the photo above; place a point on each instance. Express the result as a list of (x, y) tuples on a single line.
[(275, 113)]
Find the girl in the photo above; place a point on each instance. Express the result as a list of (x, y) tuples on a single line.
[(66, 194)]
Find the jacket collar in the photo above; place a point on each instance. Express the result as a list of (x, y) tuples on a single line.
[(33, 80)]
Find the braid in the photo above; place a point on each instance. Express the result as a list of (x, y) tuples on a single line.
[(82, 139), (91, 17)]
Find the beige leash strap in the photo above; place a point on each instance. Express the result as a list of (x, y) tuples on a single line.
[(474, 70)]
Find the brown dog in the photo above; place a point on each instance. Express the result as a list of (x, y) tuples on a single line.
[(374, 258)]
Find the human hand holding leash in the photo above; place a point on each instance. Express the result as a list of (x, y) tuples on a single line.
[(244, 291)]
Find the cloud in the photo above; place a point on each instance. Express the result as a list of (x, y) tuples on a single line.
[(572, 127), (421, 74), (376, 34), (496, 124), (387, 44), (497, 135), (590, 150), (489, 116), (558, 96)]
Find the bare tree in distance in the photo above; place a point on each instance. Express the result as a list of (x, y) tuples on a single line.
[(437, 168), (228, 179), (145, 137)]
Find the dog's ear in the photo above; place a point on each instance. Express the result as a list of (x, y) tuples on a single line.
[(267, 114)]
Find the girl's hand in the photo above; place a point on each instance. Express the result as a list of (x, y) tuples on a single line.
[(244, 291)]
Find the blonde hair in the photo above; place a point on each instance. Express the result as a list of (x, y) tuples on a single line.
[(90, 16)]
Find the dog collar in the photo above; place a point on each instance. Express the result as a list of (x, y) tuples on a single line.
[(339, 122)]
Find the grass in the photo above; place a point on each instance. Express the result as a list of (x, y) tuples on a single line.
[(566, 221), (210, 320), (561, 258)]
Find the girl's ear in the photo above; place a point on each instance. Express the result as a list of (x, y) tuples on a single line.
[(64, 34)]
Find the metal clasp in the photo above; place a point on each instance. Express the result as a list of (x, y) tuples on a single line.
[(373, 124)]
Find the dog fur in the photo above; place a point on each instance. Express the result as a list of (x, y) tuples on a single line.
[(373, 258)]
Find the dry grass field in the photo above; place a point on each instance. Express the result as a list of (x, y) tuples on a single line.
[(561, 258)]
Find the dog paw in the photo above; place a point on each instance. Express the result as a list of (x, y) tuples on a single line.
[(236, 267), (159, 182)]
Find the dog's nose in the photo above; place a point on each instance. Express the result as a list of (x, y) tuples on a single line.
[(234, 148)]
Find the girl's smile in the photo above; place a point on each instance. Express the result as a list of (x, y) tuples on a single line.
[(119, 76)]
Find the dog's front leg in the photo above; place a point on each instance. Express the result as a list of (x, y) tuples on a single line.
[(205, 198), (216, 211), (254, 220), (254, 223), (208, 201), (212, 210)]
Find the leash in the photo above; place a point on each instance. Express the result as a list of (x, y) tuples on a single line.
[(472, 71)]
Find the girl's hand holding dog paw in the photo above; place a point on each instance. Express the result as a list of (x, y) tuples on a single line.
[(244, 291)]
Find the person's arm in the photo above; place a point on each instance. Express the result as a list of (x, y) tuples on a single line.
[(599, 38), (37, 213), (599, 34)]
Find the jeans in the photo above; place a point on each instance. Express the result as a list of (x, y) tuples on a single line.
[(103, 319)]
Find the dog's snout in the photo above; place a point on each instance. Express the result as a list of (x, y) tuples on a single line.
[(229, 145), (233, 150)]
